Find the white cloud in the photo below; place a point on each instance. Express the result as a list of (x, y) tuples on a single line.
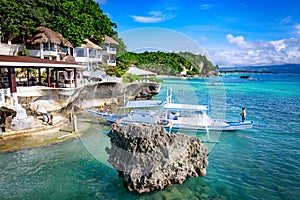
[(207, 6), (103, 2), (156, 13), (172, 8), (278, 44), (203, 39), (286, 20), (297, 26), (240, 41), (285, 51), (154, 17)]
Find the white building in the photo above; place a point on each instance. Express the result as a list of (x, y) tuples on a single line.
[(109, 51), (48, 44), (91, 55), (88, 54)]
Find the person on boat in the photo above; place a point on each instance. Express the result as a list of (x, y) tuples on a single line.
[(177, 114), (243, 114)]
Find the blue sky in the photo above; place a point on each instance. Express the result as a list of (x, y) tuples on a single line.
[(252, 32)]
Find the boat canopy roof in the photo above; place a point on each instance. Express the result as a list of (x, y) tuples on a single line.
[(177, 106), (143, 103)]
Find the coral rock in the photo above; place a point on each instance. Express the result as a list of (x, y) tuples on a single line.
[(149, 158)]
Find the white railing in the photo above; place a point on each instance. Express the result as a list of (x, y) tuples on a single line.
[(86, 59), (109, 50), (37, 53), (112, 62), (34, 53), (81, 52), (50, 53)]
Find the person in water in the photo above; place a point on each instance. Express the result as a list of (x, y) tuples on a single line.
[(243, 114)]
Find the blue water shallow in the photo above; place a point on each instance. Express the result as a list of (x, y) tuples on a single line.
[(259, 163)]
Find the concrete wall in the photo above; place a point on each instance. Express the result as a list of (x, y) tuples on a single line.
[(12, 50)]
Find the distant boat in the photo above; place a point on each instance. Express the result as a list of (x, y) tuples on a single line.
[(245, 76), (252, 79)]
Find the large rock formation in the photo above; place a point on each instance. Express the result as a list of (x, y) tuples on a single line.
[(91, 95), (149, 158)]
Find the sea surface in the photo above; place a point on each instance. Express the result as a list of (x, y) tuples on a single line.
[(259, 163)]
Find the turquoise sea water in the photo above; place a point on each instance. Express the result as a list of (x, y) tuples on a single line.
[(260, 163)]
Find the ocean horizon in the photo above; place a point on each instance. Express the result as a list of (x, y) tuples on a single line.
[(283, 68)]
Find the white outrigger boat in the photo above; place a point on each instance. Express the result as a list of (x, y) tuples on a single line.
[(173, 116)]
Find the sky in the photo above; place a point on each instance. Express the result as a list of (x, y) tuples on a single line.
[(230, 33)]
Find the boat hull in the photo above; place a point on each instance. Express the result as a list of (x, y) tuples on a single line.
[(232, 126), (227, 126)]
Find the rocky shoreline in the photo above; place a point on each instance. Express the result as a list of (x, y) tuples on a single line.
[(60, 102), (149, 158), (63, 100)]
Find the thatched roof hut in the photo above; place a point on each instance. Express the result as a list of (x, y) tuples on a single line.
[(110, 40), (89, 44), (44, 35)]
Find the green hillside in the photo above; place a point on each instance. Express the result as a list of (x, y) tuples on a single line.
[(168, 63)]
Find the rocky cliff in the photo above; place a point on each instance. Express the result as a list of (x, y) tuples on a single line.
[(149, 158), (92, 95)]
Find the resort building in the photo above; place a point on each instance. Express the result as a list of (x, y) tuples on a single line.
[(45, 46), (88, 54), (92, 55), (109, 51), (10, 49), (48, 44), (10, 81)]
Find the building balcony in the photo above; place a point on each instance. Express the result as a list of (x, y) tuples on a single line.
[(112, 62), (87, 59), (109, 50), (34, 53), (64, 50), (37, 53), (50, 53)]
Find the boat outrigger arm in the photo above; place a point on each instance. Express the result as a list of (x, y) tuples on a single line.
[(143, 103)]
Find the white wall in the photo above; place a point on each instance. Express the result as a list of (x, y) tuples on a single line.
[(12, 50)]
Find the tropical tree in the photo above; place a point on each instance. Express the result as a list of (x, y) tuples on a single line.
[(15, 20), (76, 20), (81, 19)]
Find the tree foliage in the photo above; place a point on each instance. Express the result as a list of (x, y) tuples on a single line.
[(76, 20), (168, 63)]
